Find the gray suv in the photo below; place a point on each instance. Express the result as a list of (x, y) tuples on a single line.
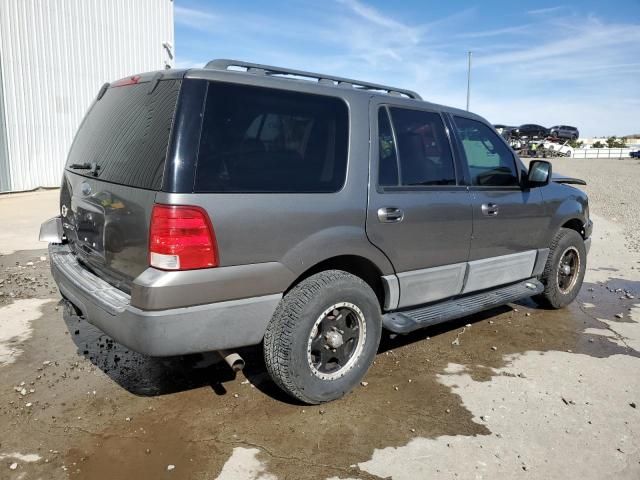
[(243, 204), (564, 131)]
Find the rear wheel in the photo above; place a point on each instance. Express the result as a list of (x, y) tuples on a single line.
[(323, 336), (564, 271)]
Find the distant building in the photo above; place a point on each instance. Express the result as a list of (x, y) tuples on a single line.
[(54, 56)]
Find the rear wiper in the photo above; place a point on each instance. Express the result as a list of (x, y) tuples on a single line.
[(92, 167), (80, 166)]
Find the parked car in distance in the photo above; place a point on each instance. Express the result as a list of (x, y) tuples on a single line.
[(635, 154), (239, 204), (504, 130), (564, 131), (531, 130)]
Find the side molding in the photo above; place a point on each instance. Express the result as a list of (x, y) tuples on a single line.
[(541, 261), (418, 287), (391, 292), (491, 272), (430, 284)]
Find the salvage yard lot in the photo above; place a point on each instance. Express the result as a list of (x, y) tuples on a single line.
[(514, 392)]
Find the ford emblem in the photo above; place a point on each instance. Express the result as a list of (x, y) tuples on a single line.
[(85, 189)]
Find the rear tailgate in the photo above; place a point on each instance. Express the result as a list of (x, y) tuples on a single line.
[(114, 169)]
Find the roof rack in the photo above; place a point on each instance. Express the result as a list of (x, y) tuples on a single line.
[(258, 69)]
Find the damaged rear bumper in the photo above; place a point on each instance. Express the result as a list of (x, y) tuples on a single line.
[(201, 328)]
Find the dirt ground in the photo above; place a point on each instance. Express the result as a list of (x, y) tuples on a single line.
[(523, 392)]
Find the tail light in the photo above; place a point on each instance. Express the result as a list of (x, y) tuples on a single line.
[(127, 81), (181, 238)]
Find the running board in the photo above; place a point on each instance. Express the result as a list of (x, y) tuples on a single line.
[(410, 320)]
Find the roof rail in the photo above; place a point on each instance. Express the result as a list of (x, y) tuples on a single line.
[(258, 69)]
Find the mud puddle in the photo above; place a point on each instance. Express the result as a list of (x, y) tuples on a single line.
[(101, 411), (197, 426)]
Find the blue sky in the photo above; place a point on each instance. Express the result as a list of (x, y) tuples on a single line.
[(574, 63)]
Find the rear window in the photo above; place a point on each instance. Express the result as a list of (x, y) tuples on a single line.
[(423, 147), (272, 141), (126, 134)]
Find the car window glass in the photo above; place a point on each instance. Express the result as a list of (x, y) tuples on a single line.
[(126, 134), (266, 140), (490, 161), (388, 162), (423, 148)]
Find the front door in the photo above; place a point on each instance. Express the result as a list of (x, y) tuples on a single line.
[(419, 214), (508, 220)]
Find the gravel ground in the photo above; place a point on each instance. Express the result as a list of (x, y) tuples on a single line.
[(613, 188), (515, 392)]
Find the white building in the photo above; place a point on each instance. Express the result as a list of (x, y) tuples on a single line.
[(54, 57)]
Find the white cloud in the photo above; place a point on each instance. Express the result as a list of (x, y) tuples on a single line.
[(545, 11), (496, 32), (550, 65), (589, 38), (374, 16), (189, 63), (194, 18)]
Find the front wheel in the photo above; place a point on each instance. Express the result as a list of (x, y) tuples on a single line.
[(564, 271), (323, 336)]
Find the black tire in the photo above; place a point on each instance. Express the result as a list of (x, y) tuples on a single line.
[(288, 340), (566, 242)]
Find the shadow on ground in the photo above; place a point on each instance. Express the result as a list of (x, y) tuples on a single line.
[(403, 398), (149, 376)]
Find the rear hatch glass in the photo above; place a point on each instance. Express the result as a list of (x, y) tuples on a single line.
[(125, 135), (114, 168)]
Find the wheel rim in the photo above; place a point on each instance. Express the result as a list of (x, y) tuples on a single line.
[(336, 341), (568, 270)]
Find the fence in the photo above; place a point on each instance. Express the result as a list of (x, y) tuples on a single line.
[(601, 152)]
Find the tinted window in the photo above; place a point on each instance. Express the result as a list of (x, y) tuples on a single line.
[(491, 162), (423, 148), (126, 134), (264, 140), (388, 162)]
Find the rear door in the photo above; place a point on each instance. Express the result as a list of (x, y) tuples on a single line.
[(509, 221), (113, 172), (419, 214)]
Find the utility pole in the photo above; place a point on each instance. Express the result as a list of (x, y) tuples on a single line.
[(468, 78)]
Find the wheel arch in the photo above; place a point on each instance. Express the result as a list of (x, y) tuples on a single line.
[(357, 265), (575, 224), (568, 208)]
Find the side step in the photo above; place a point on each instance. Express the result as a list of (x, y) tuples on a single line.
[(410, 320)]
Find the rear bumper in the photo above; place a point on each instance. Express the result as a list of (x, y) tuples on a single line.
[(178, 331)]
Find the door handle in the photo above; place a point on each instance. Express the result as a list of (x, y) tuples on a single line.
[(490, 209), (390, 215)]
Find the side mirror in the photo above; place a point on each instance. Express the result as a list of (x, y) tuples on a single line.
[(539, 173)]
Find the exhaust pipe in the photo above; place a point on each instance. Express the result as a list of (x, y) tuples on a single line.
[(234, 360)]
